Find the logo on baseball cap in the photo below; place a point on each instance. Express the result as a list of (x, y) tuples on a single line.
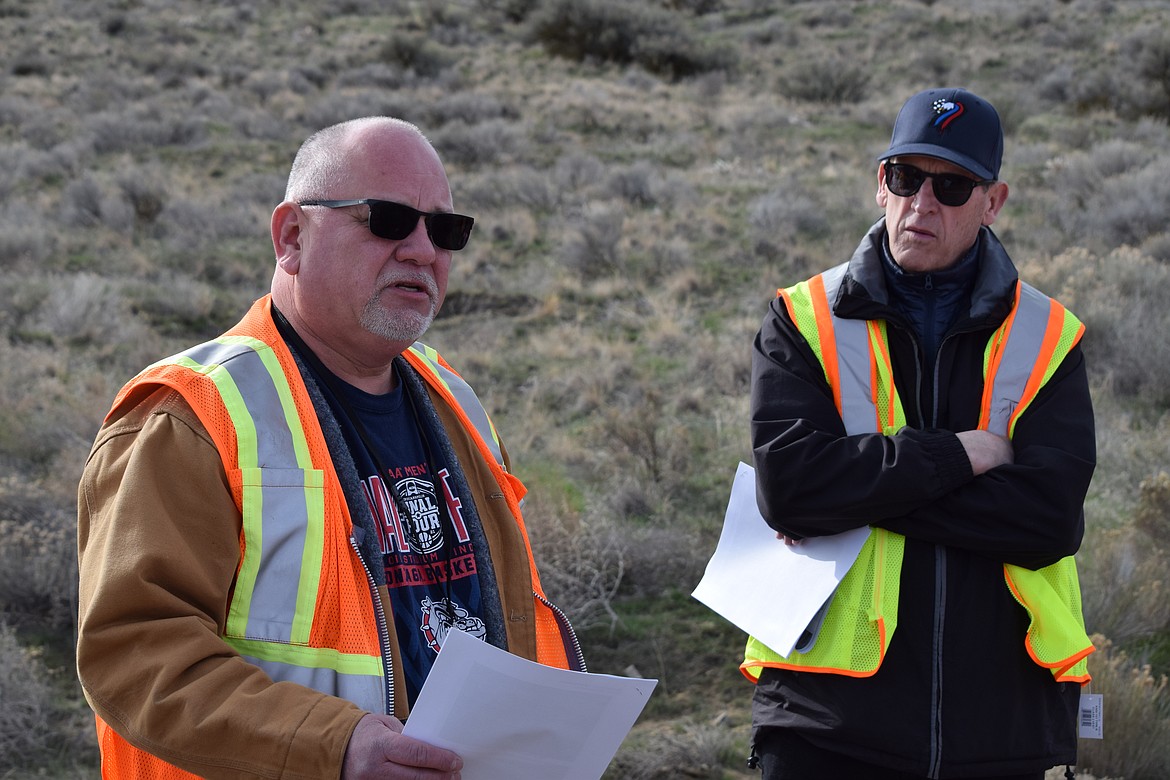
[(953, 125)]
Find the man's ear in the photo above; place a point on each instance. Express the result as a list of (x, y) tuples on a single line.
[(997, 195), (286, 236), (882, 196)]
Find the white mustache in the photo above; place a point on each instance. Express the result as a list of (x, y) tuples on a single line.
[(422, 281)]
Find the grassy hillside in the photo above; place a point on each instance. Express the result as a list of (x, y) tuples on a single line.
[(644, 175)]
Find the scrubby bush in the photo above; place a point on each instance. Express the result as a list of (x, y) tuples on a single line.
[(576, 171), (625, 33), (471, 108), (490, 142), (1151, 56), (27, 238), (1120, 296), (339, 105), (777, 218), (1125, 587), (27, 719), (147, 193), (690, 749), (592, 248), (415, 53), (582, 560), (77, 309), (83, 202), (1129, 209), (116, 131), (373, 74), (1134, 86), (826, 79), (1136, 718), (192, 225), (38, 569), (508, 187), (1153, 512), (638, 184)]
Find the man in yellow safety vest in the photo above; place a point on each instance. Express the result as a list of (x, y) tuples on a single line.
[(923, 390)]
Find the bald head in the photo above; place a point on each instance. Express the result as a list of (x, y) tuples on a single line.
[(325, 157)]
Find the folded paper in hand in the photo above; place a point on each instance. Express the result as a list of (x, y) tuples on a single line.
[(765, 587), (512, 719)]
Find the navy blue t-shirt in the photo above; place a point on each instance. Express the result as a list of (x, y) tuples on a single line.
[(426, 550)]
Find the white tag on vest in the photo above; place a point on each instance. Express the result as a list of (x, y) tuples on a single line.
[(1092, 717)]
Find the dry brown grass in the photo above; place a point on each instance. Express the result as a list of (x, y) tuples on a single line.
[(26, 717), (1136, 720)]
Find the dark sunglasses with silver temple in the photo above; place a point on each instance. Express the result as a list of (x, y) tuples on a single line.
[(950, 189), (396, 221)]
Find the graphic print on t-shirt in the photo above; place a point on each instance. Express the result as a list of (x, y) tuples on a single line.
[(438, 618), (427, 553), (423, 525), (430, 565), (415, 545), (421, 530)]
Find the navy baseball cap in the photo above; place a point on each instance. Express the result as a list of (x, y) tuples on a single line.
[(953, 125)]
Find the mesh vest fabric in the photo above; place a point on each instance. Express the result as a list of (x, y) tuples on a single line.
[(854, 637), (1051, 596), (863, 615)]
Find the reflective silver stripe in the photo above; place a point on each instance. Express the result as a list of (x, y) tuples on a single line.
[(274, 448), (854, 362), (276, 510), (281, 574), (467, 399), (274, 599), (854, 367), (366, 691), (1020, 356)]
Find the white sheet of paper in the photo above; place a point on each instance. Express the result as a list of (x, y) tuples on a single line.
[(763, 586), (513, 719)]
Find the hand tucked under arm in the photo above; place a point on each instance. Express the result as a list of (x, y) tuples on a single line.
[(790, 541), (986, 450)]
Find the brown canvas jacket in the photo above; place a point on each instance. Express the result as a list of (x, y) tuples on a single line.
[(158, 547)]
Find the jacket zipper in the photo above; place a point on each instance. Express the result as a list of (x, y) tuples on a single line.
[(383, 630), (940, 606), (566, 631), (936, 672), (940, 567)]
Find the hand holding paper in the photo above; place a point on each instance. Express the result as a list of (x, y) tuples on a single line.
[(512, 719)]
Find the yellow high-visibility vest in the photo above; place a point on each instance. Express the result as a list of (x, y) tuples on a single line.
[(1020, 357)]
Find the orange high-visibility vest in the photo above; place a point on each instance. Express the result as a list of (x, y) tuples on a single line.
[(1020, 357), (323, 631)]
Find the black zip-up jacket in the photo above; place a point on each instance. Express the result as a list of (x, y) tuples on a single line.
[(957, 694)]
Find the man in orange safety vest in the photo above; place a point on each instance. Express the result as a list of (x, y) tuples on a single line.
[(279, 527)]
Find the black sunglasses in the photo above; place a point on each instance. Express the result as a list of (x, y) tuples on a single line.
[(396, 221), (950, 189)]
